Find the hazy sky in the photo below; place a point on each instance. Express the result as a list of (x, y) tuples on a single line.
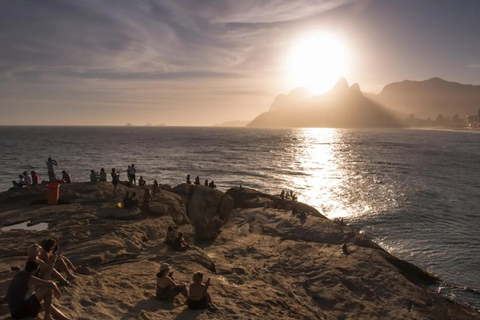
[(200, 62)]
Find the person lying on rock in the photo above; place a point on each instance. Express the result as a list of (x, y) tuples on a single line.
[(167, 288), (198, 297), (179, 244), (47, 270), (49, 249), (26, 292), (170, 236)]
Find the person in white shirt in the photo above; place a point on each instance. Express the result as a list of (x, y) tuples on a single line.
[(132, 172), (27, 178)]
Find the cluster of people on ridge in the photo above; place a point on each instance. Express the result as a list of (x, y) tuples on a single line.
[(288, 195), (197, 182), (32, 289), (25, 180), (167, 289)]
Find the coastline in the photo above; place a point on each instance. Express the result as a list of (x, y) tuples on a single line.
[(258, 258)]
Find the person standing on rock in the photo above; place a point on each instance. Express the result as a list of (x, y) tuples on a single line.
[(24, 305), (51, 172), (132, 171), (115, 179), (147, 197), (35, 178), (197, 181), (188, 180)]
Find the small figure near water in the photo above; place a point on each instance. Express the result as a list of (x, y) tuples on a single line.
[(22, 306), (156, 189), (132, 171), (147, 197), (206, 183), (282, 195), (93, 176), (115, 179), (66, 178), (198, 297), (20, 183), (188, 179), (103, 175), (212, 185), (197, 181), (51, 171), (35, 178), (167, 288), (27, 178), (141, 182)]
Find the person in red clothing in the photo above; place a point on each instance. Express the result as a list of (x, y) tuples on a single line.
[(34, 178)]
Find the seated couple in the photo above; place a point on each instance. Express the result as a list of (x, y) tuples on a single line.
[(130, 201), (197, 295), (177, 242)]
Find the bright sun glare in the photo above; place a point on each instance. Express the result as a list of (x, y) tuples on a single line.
[(317, 61)]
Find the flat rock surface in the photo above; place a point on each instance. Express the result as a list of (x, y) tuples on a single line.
[(265, 264)]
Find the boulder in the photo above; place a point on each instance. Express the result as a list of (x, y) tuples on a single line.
[(171, 205), (208, 209)]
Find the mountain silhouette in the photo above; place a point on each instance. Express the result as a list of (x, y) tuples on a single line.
[(431, 97), (342, 107), (295, 96)]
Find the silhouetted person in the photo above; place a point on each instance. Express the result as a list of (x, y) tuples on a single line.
[(35, 178), (170, 236), (132, 172), (93, 176), (66, 178), (212, 184), (20, 184), (103, 175), (126, 200), (27, 178), (115, 179), (282, 195), (345, 249), (134, 202), (197, 181), (141, 182), (206, 183), (147, 197), (188, 179), (179, 244), (51, 171), (129, 175)]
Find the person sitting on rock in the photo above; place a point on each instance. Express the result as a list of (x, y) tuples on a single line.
[(35, 178), (131, 202), (103, 175), (141, 182), (167, 288), (197, 181), (47, 271), (93, 176), (24, 302), (212, 185), (126, 200), (188, 179), (170, 236), (27, 178), (206, 183), (49, 249), (198, 297), (66, 178), (20, 183), (179, 244)]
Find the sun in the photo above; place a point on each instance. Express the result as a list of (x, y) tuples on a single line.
[(317, 61)]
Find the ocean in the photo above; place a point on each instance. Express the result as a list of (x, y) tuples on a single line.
[(414, 192)]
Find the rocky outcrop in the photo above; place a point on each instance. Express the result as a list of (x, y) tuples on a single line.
[(208, 209)]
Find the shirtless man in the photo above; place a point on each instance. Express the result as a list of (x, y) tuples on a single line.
[(62, 263), (47, 270), (25, 304)]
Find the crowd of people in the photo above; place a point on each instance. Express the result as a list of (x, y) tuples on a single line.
[(197, 182), (33, 288)]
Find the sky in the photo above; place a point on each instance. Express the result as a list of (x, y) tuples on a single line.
[(203, 62)]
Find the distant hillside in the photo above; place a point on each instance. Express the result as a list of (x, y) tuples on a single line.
[(232, 124), (431, 97), (343, 107), (285, 101)]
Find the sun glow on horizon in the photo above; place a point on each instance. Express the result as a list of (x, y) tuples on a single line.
[(317, 61)]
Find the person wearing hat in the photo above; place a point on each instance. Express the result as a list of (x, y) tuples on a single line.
[(167, 288)]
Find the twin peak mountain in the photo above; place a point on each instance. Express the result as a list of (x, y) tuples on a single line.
[(343, 107)]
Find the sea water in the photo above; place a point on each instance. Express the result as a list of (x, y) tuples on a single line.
[(415, 192)]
